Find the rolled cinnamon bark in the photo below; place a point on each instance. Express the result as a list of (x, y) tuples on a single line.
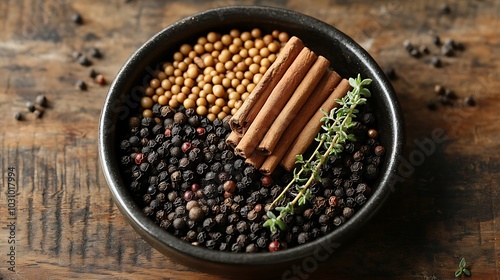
[(233, 139), (275, 102), (325, 87), (313, 126), (252, 105), (255, 160), (292, 107)]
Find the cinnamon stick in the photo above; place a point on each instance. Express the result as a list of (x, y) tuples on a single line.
[(255, 160), (292, 107), (275, 102), (250, 108), (325, 87), (313, 126), (233, 139)]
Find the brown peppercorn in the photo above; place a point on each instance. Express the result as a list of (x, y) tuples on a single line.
[(266, 180), (258, 208), (379, 151), (100, 79), (332, 201), (228, 194), (372, 133), (229, 186)]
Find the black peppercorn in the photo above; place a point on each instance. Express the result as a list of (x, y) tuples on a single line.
[(242, 226), (251, 248), (469, 100), (210, 191), (201, 168), (76, 18), (41, 100), (371, 171), (357, 166), (81, 85), (447, 50), (95, 52), (176, 152), (436, 62), (391, 73), (415, 53), (148, 211), (338, 220), (184, 163), (84, 61), (302, 238)]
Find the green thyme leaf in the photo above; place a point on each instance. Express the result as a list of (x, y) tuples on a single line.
[(271, 215), (463, 263), (268, 223), (273, 227), (281, 224), (366, 82)]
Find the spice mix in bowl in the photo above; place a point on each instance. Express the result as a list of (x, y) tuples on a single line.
[(249, 137)]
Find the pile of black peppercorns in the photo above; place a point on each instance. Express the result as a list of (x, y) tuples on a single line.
[(185, 177)]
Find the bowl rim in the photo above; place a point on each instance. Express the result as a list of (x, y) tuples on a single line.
[(161, 238)]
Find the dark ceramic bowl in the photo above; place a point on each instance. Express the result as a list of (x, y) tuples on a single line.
[(348, 59)]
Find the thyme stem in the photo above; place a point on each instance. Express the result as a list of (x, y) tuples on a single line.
[(332, 139)]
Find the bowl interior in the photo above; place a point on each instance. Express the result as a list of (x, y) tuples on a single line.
[(347, 58)]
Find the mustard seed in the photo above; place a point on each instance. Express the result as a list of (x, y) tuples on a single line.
[(206, 73)]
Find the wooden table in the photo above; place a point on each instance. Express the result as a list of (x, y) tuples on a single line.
[(66, 225)]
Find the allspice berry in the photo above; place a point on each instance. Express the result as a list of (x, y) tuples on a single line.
[(196, 214), (180, 118)]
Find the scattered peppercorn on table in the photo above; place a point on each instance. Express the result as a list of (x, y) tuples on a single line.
[(57, 58)]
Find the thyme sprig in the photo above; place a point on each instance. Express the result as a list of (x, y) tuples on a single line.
[(332, 138), (462, 269)]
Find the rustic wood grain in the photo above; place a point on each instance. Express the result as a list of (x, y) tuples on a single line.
[(68, 226)]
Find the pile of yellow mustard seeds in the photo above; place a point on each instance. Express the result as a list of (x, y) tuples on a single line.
[(217, 74)]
